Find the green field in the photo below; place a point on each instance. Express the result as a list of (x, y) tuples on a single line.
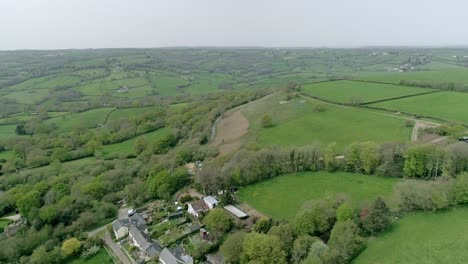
[(128, 112), (28, 96), (450, 106), (167, 85), (361, 92), (97, 88), (6, 155), (102, 257), (126, 147), (87, 119), (421, 238), (283, 196), (4, 223), (437, 76), (298, 123), (7, 131)]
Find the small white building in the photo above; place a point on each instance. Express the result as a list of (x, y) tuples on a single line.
[(210, 201), (120, 228)]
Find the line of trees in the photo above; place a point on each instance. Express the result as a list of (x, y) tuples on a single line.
[(390, 160)]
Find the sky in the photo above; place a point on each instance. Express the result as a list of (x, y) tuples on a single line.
[(64, 24)]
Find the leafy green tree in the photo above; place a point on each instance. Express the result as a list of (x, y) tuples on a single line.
[(48, 214), (41, 255), (266, 121), (30, 200), (261, 248), (301, 247), (317, 252), (141, 143), (285, 234), (369, 157), (231, 249), (217, 221), (329, 157), (226, 199), (345, 212), (304, 223), (263, 225), (345, 242), (460, 190), (71, 247), (378, 217)]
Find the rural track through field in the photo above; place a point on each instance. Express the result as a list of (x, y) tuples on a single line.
[(417, 123)]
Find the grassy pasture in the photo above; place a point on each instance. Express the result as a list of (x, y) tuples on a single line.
[(6, 155), (298, 123), (450, 106), (167, 85), (128, 112), (87, 119), (421, 238), (136, 92), (7, 131), (4, 223), (132, 82), (283, 196), (349, 91), (28, 96), (125, 148), (437, 76), (208, 83), (97, 88), (102, 257)]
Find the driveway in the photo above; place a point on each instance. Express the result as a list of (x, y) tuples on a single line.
[(13, 218), (116, 249)]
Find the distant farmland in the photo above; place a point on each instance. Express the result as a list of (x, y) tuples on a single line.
[(457, 76), (349, 92), (451, 106)]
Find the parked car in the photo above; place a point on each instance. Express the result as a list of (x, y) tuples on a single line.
[(464, 139), (131, 212)]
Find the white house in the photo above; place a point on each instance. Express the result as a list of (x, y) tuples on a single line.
[(120, 228), (197, 208), (210, 201)]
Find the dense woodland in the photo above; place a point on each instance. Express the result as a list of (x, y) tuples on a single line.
[(56, 171)]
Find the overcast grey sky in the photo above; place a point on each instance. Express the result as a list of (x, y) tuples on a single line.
[(58, 24)]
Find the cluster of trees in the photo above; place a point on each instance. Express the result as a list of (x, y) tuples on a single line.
[(447, 86), (325, 231), (334, 230), (431, 195), (392, 160)]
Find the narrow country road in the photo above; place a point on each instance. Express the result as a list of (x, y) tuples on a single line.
[(416, 127), (96, 231), (116, 249)]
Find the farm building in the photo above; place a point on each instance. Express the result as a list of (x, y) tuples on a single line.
[(210, 201), (236, 211)]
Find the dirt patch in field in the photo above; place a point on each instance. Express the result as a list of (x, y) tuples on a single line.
[(230, 130)]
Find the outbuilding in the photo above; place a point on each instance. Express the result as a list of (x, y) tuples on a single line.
[(210, 201)]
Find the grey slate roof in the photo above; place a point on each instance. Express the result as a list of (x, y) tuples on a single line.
[(175, 256), (138, 220), (147, 245), (117, 224)]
